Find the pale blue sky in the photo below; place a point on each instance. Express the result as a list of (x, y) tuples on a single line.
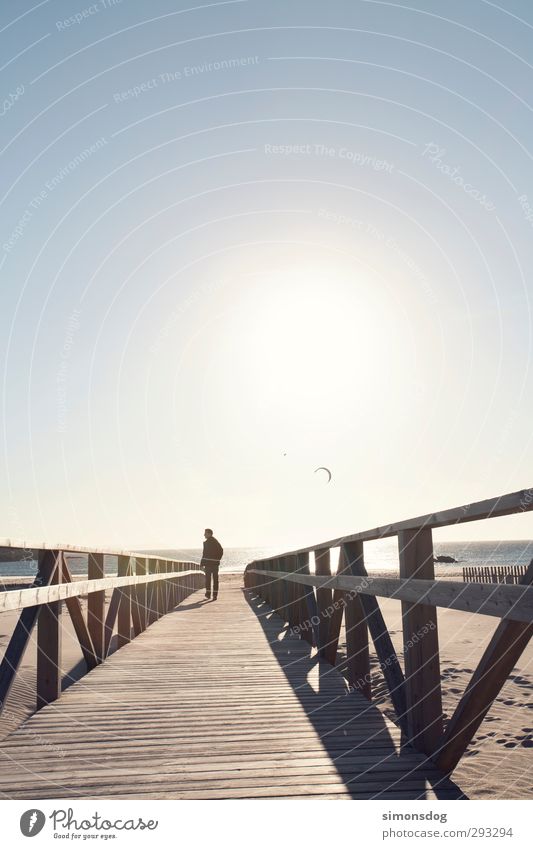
[(247, 239)]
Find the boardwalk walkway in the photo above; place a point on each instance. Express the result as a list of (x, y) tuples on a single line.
[(214, 701)]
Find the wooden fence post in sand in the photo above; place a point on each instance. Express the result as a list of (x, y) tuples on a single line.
[(423, 694)]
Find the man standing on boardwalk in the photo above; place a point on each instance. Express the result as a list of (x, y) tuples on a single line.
[(211, 558)]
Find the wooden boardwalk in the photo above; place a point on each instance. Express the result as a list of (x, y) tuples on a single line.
[(214, 701)]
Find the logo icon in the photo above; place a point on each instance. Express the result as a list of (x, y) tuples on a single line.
[(32, 822)]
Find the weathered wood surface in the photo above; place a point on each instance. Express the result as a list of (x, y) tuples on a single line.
[(214, 701), (18, 599), (423, 694), (25, 546), (500, 600)]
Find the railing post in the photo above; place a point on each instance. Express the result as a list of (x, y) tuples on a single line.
[(293, 604), (124, 608), (421, 645), (357, 648), (335, 619), (140, 569), (284, 590), (22, 634), (172, 587), (168, 587), (181, 590), (323, 597), (158, 592), (307, 602), (96, 606), (165, 603), (151, 590), (49, 639)]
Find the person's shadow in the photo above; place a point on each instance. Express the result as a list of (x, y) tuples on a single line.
[(363, 749)]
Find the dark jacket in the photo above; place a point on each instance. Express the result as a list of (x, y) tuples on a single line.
[(212, 553)]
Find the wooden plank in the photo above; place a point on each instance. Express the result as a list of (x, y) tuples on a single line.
[(357, 648), (96, 606), (23, 546), (282, 725), (335, 614), (49, 639), (423, 694), (324, 598), (379, 632), (308, 606), (124, 607), (22, 632), (138, 599), (17, 599), (110, 620), (76, 615), (501, 655)]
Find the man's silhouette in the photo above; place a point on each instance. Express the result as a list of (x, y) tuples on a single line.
[(211, 558)]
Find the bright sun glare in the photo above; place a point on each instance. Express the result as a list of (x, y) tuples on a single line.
[(317, 333)]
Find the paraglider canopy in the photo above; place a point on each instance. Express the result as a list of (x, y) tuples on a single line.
[(324, 469)]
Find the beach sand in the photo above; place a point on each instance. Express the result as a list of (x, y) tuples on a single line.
[(499, 762)]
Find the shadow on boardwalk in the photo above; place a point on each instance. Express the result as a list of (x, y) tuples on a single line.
[(365, 747)]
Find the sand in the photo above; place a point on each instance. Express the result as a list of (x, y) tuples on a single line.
[(499, 762)]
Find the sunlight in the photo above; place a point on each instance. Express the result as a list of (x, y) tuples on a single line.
[(317, 334)]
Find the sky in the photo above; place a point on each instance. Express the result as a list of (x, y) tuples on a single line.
[(241, 240)]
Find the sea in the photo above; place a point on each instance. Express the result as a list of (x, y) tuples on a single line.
[(380, 556)]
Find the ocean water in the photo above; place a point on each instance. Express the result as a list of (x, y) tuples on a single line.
[(381, 555)]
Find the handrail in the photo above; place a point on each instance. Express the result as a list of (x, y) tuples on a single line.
[(503, 505), (25, 545), (20, 599), (315, 605), (513, 602), (145, 588)]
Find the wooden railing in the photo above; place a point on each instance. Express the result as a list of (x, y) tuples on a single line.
[(314, 606), (144, 589), (494, 574)]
